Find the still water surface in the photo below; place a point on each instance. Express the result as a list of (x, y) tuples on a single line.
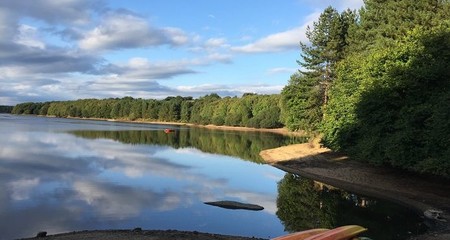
[(61, 175)]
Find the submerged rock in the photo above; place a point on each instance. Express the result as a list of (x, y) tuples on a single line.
[(235, 205)]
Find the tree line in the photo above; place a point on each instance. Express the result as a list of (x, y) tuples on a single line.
[(6, 109), (376, 84), (251, 110)]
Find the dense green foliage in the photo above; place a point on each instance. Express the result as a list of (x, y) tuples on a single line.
[(389, 104), (251, 110), (396, 110), (245, 145), (307, 91), (387, 100), (6, 109)]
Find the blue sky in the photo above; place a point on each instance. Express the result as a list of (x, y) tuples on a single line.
[(72, 49)]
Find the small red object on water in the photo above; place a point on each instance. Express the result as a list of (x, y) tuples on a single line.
[(167, 130)]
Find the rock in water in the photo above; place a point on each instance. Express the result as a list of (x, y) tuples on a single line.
[(235, 205)]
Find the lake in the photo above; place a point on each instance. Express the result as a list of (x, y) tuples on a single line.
[(62, 175)]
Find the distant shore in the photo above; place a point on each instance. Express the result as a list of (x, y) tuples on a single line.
[(282, 131), (425, 194)]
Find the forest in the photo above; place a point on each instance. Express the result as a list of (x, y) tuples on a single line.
[(251, 110), (374, 83)]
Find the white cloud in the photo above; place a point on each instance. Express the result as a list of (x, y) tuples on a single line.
[(216, 57), (52, 11), (281, 41), (21, 189), (216, 43), (212, 46), (276, 42), (124, 30), (175, 36), (143, 69), (115, 201), (278, 70), (28, 36), (138, 62)]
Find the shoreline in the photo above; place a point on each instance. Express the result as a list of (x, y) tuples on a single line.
[(424, 194), (281, 131)]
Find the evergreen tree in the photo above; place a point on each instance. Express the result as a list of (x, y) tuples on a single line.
[(307, 92), (382, 22), (327, 44)]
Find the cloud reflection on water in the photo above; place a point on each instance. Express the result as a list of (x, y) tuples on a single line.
[(58, 182)]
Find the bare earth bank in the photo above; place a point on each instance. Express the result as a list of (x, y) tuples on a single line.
[(427, 195)]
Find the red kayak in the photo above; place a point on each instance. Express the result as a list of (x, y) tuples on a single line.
[(168, 130)]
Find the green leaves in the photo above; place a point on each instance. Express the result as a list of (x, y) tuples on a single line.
[(307, 93), (252, 110), (391, 91), (383, 106)]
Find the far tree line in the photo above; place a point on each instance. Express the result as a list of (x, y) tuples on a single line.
[(6, 109), (250, 110)]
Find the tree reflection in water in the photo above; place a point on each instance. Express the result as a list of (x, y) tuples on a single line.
[(304, 204), (245, 145)]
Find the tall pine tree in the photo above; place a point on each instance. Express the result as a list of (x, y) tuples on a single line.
[(307, 92)]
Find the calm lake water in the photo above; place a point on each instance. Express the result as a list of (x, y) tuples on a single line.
[(61, 175)]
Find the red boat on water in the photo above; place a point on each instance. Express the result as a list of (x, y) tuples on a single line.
[(168, 130)]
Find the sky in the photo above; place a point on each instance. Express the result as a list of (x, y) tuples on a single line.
[(75, 49)]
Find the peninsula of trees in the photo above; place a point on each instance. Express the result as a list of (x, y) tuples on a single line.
[(375, 83)]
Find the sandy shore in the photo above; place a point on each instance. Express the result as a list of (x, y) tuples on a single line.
[(282, 131), (424, 194)]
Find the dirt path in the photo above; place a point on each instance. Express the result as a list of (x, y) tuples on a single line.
[(424, 194)]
